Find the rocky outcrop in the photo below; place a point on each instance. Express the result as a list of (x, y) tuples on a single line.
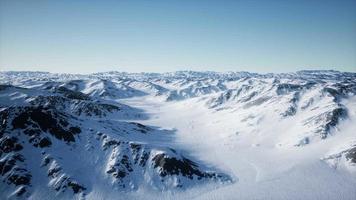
[(127, 159)]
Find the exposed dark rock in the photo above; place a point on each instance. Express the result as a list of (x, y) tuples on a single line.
[(172, 166), (48, 120), (328, 120), (19, 176), (290, 111), (4, 118), (22, 190), (351, 155), (9, 144), (333, 118), (75, 130), (78, 106), (76, 187), (4, 87), (45, 161), (64, 182), (45, 142), (169, 166), (285, 88), (135, 148), (49, 85), (6, 165), (126, 163), (110, 143), (61, 183), (256, 102), (52, 101), (53, 171), (36, 139), (121, 168), (95, 109), (340, 90), (72, 94), (140, 127), (11, 168), (143, 159), (333, 92)]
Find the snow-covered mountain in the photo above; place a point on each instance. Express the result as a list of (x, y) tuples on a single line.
[(204, 135)]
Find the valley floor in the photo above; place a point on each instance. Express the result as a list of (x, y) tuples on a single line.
[(260, 169)]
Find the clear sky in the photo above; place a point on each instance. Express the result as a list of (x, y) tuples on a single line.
[(86, 36)]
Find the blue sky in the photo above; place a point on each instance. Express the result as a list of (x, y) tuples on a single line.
[(159, 36)]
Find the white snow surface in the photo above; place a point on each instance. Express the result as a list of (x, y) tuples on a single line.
[(276, 136)]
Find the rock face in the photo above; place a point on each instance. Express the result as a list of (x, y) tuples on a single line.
[(351, 155), (343, 157), (168, 165), (78, 107), (36, 120), (128, 159)]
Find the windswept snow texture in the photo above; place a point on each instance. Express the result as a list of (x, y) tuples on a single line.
[(181, 135)]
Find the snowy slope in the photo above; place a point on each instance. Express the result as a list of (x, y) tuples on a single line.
[(204, 135)]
